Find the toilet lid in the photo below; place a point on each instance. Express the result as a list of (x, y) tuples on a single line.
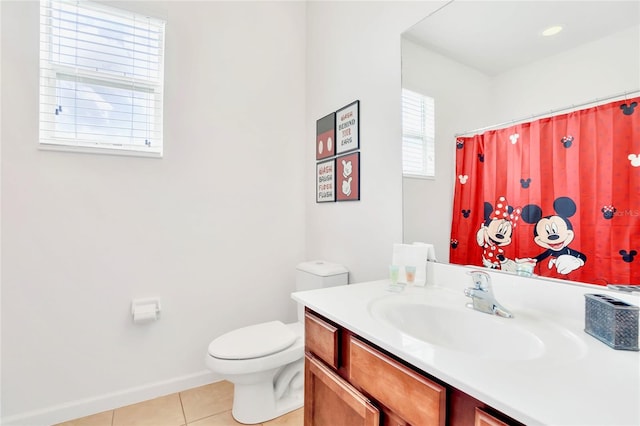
[(253, 341)]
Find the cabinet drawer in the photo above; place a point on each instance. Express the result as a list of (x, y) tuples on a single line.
[(414, 398), (485, 419), (321, 338)]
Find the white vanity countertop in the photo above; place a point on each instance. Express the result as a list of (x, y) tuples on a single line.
[(595, 385)]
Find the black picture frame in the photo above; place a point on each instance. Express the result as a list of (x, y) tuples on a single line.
[(326, 137), (326, 181), (347, 128), (347, 177)]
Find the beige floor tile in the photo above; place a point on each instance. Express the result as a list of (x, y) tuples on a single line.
[(205, 401), (100, 419), (223, 419), (294, 418), (163, 411)]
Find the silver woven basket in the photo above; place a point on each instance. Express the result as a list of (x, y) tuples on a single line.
[(612, 321)]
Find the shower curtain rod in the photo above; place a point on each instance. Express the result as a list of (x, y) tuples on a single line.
[(553, 111)]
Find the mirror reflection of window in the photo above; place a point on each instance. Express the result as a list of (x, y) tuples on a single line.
[(418, 135)]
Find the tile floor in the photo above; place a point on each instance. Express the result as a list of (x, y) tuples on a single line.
[(208, 405)]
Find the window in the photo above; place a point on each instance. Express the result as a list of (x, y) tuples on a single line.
[(418, 135), (101, 79)]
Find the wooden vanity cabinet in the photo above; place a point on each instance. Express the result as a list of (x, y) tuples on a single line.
[(349, 381), (345, 376)]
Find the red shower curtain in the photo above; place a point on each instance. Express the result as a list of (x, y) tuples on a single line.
[(562, 191)]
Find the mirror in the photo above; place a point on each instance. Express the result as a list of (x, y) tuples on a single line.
[(486, 63)]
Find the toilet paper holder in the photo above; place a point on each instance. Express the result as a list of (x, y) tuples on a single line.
[(145, 309)]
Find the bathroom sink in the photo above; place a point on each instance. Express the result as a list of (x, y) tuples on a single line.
[(445, 322)]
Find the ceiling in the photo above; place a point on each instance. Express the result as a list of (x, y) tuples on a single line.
[(494, 36)]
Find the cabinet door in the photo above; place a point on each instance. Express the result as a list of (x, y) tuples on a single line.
[(485, 419), (330, 401), (414, 398)]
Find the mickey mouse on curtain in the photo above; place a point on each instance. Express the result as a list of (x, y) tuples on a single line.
[(554, 233)]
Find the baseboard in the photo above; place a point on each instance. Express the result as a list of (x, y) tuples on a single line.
[(87, 406)]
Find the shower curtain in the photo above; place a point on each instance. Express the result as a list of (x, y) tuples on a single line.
[(560, 194)]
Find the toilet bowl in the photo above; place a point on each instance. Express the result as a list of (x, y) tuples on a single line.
[(265, 362)]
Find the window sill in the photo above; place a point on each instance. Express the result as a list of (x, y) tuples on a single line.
[(420, 177), (99, 151)]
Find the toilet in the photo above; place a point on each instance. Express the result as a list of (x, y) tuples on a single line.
[(265, 362)]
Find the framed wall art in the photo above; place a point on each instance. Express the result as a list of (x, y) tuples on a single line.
[(325, 181), (347, 128), (348, 177), (326, 136)]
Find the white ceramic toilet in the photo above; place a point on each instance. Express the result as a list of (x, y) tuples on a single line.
[(265, 362)]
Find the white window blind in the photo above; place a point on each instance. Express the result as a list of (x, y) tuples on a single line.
[(101, 78), (418, 134)]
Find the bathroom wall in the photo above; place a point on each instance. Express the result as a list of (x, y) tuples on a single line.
[(215, 228), (353, 52), (556, 82)]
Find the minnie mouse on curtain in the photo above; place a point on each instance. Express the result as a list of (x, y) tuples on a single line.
[(561, 192)]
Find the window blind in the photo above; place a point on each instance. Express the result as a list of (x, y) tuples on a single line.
[(101, 78), (418, 134)]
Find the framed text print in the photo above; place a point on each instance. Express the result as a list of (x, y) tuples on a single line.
[(326, 181), (348, 128), (326, 136), (348, 177)]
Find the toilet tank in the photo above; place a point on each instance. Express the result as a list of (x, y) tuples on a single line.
[(318, 274)]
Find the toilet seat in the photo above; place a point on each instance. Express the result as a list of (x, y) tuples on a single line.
[(290, 353), (254, 341)]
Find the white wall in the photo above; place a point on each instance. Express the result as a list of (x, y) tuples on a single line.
[(353, 52), (593, 71), (215, 228)]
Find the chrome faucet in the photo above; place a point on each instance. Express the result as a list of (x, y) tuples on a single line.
[(482, 296)]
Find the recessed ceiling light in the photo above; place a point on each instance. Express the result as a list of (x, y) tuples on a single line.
[(552, 31)]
